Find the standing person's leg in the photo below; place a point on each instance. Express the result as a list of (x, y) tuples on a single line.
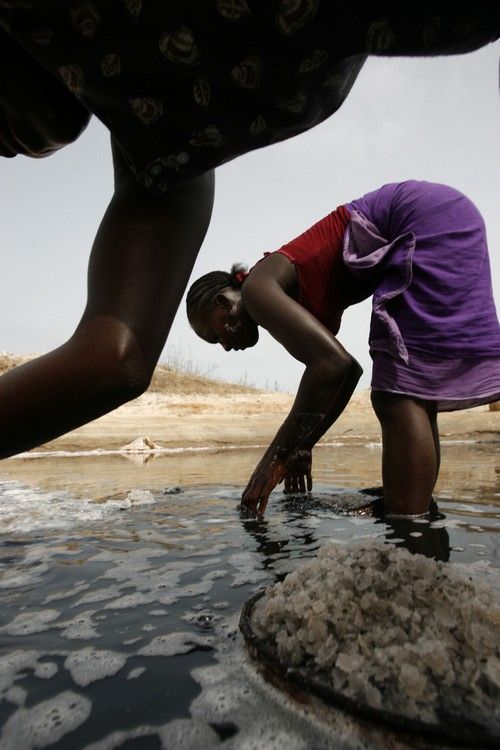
[(410, 452)]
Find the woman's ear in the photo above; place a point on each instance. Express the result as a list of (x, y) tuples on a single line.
[(221, 300)]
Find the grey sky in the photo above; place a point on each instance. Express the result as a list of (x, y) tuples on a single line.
[(426, 119)]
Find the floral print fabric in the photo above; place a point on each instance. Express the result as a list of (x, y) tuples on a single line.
[(185, 86)]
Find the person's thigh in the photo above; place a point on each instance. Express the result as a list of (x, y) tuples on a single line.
[(38, 115)]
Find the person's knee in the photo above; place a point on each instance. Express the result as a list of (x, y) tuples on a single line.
[(67, 124), (396, 407), (60, 127), (119, 368), (38, 113), (123, 373)]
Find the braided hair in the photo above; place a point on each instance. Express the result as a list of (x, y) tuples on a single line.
[(204, 289)]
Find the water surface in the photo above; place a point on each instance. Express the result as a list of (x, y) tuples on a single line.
[(118, 624)]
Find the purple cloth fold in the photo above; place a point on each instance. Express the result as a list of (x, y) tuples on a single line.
[(424, 247), (365, 250), (434, 330)]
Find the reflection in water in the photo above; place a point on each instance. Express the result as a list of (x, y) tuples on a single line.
[(420, 536), (118, 624)]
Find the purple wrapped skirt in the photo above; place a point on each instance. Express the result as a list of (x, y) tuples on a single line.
[(434, 330)]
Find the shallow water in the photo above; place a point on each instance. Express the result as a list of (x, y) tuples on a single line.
[(118, 625)]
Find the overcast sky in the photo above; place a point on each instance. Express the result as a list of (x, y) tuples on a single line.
[(437, 120)]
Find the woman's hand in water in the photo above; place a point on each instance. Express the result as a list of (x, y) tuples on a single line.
[(269, 472), (298, 478)]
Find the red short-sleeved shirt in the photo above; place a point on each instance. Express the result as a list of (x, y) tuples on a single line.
[(326, 288)]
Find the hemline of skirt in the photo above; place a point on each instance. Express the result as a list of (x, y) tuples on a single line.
[(452, 384)]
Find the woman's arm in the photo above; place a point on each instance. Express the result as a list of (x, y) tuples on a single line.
[(326, 386), (140, 263)]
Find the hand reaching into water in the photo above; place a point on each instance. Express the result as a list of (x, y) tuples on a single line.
[(270, 471), (298, 476)]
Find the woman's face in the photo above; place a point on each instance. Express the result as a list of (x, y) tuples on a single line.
[(225, 322)]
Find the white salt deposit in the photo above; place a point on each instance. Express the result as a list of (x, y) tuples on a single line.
[(395, 631)]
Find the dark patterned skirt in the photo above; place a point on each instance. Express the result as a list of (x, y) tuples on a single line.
[(186, 86)]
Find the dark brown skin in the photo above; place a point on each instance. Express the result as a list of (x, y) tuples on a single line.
[(141, 260), (326, 386), (331, 374), (409, 428), (139, 266)]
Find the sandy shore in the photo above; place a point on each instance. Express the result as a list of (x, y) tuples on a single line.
[(243, 419), (182, 410)]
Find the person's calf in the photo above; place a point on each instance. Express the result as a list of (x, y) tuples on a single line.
[(409, 459)]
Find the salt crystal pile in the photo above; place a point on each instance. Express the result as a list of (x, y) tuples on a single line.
[(392, 630)]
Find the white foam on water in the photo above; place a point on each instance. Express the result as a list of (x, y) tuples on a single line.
[(245, 564), (188, 734), (58, 596), (98, 595), (135, 673), (24, 509), (118, 738), (45, 723), (172, 644), (90, 664), (13, 578), (136, 599), (45, 670), (30, 509), (30, 622), (80, 627), (234, 693), (14, 662), (16, 695)]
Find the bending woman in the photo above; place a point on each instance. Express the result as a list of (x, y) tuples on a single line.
[(419, 249)]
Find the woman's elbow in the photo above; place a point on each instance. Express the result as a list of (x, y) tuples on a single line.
[(341, 367)]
